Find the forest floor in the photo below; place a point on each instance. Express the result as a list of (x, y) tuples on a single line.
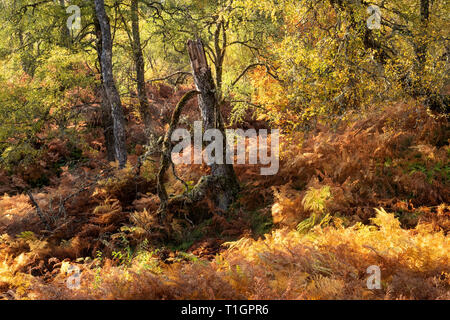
[(371, 191)]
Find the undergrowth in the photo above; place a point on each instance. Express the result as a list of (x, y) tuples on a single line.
[(308, 232)]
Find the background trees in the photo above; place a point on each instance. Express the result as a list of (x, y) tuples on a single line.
[(328, 61)]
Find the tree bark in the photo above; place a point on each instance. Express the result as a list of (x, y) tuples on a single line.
[(424, 19), (222, 175), (144, 106), (110, 86), (219, 57), (108, 126), (107, 121)]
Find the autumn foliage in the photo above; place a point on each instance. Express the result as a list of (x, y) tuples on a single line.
[(364, 175), (323, 206)]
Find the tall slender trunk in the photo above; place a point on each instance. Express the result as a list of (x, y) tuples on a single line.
[(224, 176), (107, 120), (108, 126), (110, 86), (423, 47), (144, 106), (219, 56)]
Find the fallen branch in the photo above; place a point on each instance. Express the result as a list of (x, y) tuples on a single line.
[(85, 187), (38, 210)]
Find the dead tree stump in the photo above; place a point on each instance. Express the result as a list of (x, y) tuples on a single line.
[(222, 183)]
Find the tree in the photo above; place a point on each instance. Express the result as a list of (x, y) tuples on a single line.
[(139, 63), (107, 120), (112, 94), (329, 62), (222, 186), (229, 38), (134, 36)]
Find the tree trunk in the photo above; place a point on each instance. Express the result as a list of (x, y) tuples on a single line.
[(107, 121), (423, 47), (223, 176), (140, 66), (108, 126), (434, 100), (109, 85), (219, 56)]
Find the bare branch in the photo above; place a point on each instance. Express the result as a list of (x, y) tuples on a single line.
[(38, 210), (245, 71), (183, 73)]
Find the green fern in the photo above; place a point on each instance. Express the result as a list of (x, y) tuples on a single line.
[(27, 235), (315, 199), (306, 225)]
